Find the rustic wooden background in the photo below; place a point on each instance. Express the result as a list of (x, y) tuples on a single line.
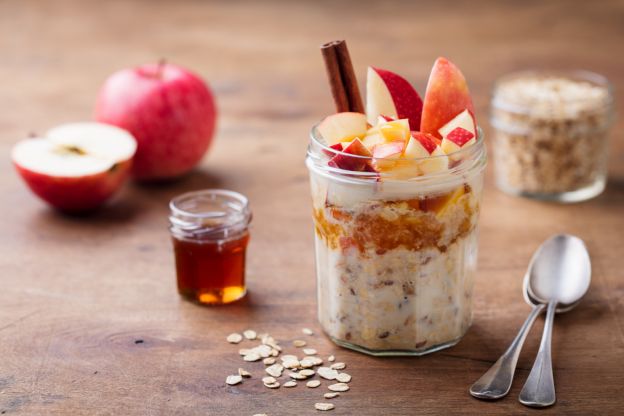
[(77, 293)]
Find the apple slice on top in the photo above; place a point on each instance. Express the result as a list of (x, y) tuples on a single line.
[(391, 95), (77, 166), (424, 147), (342, 127), (447, 96)]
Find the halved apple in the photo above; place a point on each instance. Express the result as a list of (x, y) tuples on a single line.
[(447, 95), (430, 157), (342, 127), (393, 96), (76, 167)]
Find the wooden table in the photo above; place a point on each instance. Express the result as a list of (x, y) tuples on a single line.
[(79, 294)]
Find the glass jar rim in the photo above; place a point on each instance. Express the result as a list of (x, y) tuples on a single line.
[(580, 75), (316, 139), (234, 213)]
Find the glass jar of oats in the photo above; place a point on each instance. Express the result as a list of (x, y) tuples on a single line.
[(551, 134)]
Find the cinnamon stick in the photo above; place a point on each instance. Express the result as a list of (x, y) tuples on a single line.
[(341, 76)]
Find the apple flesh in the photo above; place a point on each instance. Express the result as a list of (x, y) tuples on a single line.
[(169, 110), (76, 167), (465, 120), (447, 95), (342, 127), (423, 149), (355, 157), (393, 96)]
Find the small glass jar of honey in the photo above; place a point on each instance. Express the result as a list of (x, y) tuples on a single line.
[(210, 232)]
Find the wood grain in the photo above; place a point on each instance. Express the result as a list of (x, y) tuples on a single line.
[(77, 293)]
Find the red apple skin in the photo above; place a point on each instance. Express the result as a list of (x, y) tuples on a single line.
[(346, 162), (447, 95), (170, 111), (77, 195), (408, 103)]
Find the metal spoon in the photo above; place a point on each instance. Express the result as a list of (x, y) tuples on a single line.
[(560, 275), (496, 382)]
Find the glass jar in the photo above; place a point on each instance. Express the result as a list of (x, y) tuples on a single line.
[(551, 134), (396, 257), (210, 234)]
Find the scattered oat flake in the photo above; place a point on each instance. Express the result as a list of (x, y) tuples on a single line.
[(327, 373), (274, 353), (275, 370), (291, 364), (338, 387), (331, 359), (331, 395), (243, 373), (290, 383), (338, 366), (234, 338), (269, 361), (287, 357), (313, 384), (309, 351), (244, 351), (263, 350), (272, 385), (268, 380), (232, 380), (252, 356), (307, 331), (306, 372), (323, 406), (296, 376), (299, 343), (250, 334), (343, 377)]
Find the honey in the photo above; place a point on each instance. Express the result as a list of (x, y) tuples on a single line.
[(211, 272), (210, 236)]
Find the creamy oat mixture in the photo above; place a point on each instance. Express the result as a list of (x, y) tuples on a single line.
[(551, 134), (397, 274)]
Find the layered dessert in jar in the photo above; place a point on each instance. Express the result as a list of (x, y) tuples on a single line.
[(396, 195), (551, 134)]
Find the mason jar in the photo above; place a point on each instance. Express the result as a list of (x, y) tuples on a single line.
[(551, 134), (396, 256)]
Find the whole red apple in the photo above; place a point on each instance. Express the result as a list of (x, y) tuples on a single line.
[(168, 109)]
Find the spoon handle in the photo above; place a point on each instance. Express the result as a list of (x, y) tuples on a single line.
[(539, 389), (496, 382)]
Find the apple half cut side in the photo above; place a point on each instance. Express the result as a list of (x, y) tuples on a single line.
[(391, 96), (76, 167)]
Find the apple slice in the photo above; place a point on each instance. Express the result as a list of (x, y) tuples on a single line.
[(342, 127), (447, 95), (76, 167), (457, 139), (424, 150), (358, 162), (391, 95)]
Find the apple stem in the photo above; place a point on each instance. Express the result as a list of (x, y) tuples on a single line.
[(161, 65)]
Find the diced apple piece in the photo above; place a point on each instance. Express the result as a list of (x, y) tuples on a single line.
[(395, 130), (424, 147), (341, 127), (391, 95), (465, 120), (457, 139), (386, 154), (358, 162), (337, 147), (447, 95)]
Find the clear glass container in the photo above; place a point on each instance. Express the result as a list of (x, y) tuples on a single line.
[(551, 134), (210, 232), (396, 256)]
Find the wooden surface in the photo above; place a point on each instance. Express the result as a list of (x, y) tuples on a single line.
[(77, 293)]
